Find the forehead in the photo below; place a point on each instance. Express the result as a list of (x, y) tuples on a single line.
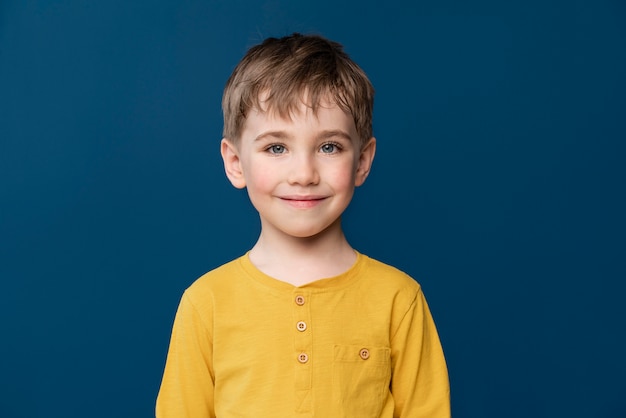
[(302, 119)]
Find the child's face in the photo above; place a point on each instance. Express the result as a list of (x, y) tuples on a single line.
[(300, 172)]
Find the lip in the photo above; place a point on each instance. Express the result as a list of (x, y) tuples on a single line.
[(303, 202)]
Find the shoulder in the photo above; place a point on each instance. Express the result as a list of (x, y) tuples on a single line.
[(388, 275), (388, 282), (218, 280)]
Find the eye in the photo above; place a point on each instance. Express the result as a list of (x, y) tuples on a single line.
[(276, 149), (330, 148)]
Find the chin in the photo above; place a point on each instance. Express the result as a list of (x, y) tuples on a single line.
[(303, 234), (308, 232)]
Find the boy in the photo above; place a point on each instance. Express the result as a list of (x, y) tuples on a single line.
[(302, 325)]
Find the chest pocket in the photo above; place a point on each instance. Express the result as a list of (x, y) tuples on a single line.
[(361, 376)]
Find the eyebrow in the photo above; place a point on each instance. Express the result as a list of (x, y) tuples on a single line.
[(321, 135), (272, 134), (334, 133)]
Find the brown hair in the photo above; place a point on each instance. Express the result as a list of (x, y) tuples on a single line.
[(285, 71)]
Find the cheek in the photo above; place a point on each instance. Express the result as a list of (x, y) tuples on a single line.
[(260, 180), (344, 176)]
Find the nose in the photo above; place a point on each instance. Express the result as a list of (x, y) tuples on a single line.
[(303, 171)]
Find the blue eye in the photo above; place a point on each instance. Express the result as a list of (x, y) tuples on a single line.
[(329, 148), (276, 149)]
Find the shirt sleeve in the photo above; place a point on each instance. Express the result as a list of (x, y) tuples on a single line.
[(419, 383), (188, 380)]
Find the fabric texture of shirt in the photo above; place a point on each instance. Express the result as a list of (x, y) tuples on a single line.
[(362, 344)]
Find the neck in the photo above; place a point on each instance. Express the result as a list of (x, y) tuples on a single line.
[(299, 260)]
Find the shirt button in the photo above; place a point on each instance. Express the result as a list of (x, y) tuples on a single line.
[(303, 358), (364, 353), (299, 300), (301, 326)]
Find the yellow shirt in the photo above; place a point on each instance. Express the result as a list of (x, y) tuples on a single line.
[(358, 345)]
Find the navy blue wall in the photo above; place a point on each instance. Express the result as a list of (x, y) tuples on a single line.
[(500, 184)]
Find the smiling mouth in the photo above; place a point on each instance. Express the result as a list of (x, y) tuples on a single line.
[(303, 201)]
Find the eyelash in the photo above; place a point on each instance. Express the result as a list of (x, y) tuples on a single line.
[(337, 147), (272, 148)]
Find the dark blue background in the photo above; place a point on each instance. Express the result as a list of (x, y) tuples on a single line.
[(499, 184)]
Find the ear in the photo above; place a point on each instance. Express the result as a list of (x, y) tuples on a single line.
[(365, 161), (232, 164)]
